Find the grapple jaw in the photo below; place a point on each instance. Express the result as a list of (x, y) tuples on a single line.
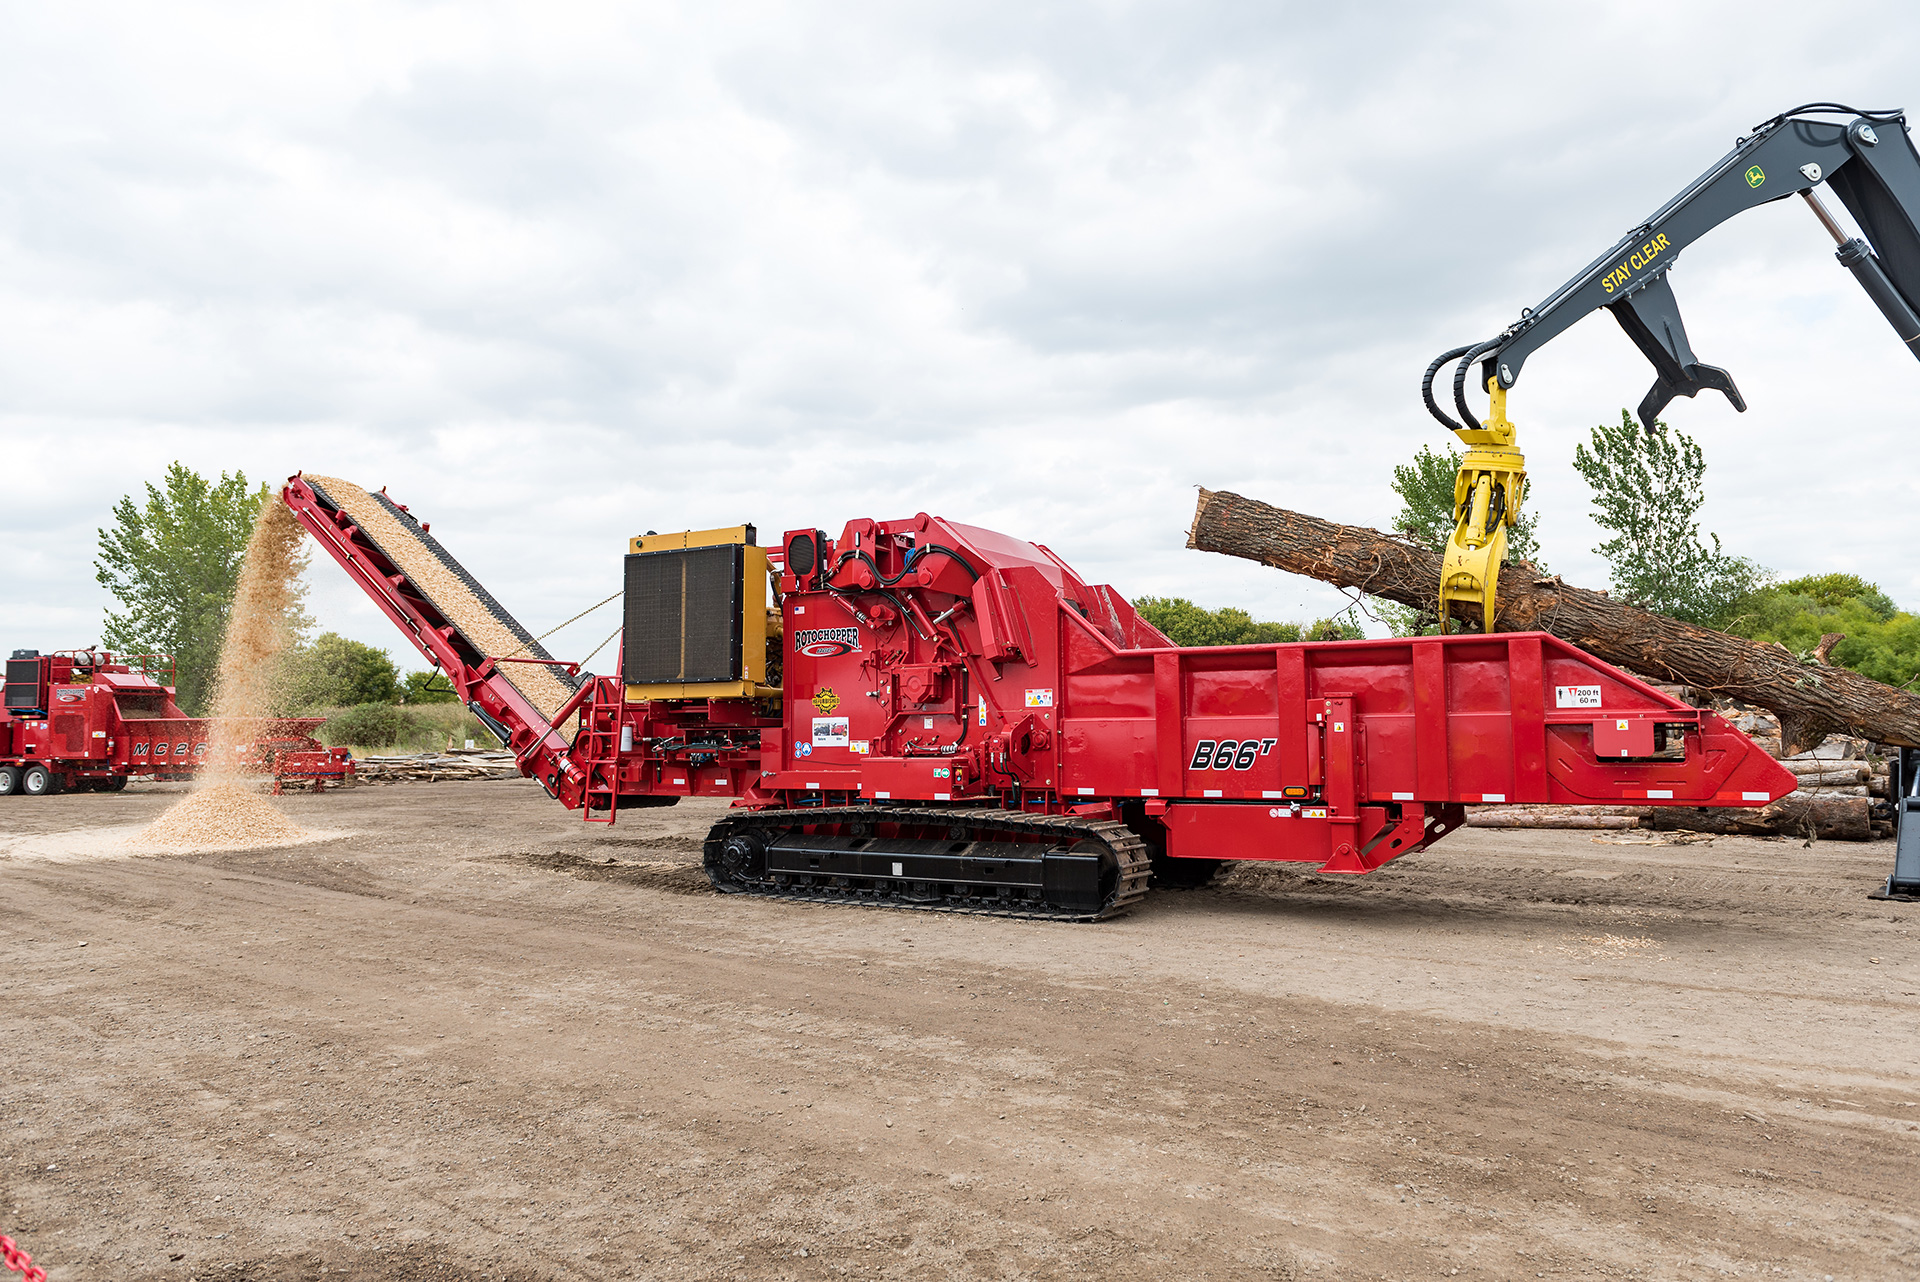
[(1486, 500), (1471, 573)]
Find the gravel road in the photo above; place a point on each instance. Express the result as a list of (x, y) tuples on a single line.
[(475, 1038)]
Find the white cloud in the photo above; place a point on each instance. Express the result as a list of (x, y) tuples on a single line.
[(558, 275)]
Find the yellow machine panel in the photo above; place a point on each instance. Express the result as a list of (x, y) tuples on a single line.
[(696, 622)]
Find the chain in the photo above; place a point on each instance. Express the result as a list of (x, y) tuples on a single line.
[(550, 631), (19, 1261), (603, 645)]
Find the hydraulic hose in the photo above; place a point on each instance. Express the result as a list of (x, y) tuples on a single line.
[(1473, 354), (1426, 387), (918, 555)]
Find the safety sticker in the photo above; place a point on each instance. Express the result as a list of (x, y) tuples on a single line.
[(1576, 696), (942, 772), (1039, 698), (832, 732), (826, 700), (983, 709), (861, 747), (803, 750)]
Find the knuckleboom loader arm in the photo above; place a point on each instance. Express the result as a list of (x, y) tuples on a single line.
[(1868, 161)]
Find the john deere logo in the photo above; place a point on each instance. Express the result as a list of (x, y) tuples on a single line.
[(1756, 176), (826, 700)]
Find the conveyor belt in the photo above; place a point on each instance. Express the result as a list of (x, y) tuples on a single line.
[(482, 622)]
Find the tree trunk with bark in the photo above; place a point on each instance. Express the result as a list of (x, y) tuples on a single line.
[(1798, 814), (1811, 700)]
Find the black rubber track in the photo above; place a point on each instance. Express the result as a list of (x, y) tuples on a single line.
[(1130, 885)]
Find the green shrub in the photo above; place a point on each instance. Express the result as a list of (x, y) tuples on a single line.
[(1188, 624), (1882, 642), (337, 672), (427, 687), (369, 725)]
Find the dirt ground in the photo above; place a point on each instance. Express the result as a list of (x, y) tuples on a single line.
[(475, 1038)]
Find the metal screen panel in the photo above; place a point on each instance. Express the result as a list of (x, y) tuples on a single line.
[(23, 683), (683, 615)]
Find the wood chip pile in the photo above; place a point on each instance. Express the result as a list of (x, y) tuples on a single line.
[(435, 767), (449, 594), (220, 816)]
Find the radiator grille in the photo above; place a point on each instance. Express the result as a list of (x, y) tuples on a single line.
[(683, 615), (23, 683)]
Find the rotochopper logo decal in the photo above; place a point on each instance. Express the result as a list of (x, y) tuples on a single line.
[(825, 643)]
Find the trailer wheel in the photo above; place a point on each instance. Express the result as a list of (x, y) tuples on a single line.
[(38, 781), (9, 780)]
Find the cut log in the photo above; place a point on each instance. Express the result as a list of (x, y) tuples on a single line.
[(1553, 821), (1811, 771), (1811, 700), (1798, 814), (1554, 808)]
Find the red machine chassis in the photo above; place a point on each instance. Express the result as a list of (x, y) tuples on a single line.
[(91, 721), (933, 664)]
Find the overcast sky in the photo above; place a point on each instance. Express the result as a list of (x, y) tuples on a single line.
[(555, 274)]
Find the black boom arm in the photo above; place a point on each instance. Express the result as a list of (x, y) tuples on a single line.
[(1868, 160)]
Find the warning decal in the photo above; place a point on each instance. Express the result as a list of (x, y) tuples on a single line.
[(1576, 696)]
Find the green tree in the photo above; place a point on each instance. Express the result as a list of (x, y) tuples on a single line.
[(1647, 490), (334, 672), (172, 562), (427, 687), (1426, 515)]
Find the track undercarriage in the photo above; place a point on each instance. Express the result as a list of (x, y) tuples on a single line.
[(994, 862)]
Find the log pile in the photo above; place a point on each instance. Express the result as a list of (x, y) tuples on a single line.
[(1829, 724), (436, 767)]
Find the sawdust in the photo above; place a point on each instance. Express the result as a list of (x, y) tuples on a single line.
[(1616, 946), (251, 678), (1650, 837), (222, 813), (449, 594)]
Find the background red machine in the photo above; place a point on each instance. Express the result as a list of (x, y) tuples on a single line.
[(81, 720), (927, 714)]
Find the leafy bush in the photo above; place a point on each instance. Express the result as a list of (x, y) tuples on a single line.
[(427, 687), (1188, 624), (1882, 641), (369, 725), (335, 672)]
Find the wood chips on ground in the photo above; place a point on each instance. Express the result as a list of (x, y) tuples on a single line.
[(221, 816)]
